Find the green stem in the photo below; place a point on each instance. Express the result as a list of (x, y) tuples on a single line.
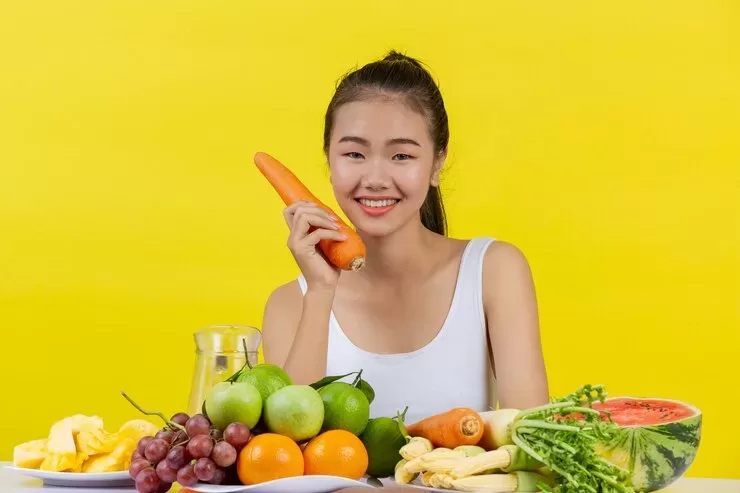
[(609, 480), (525, 446), (245, 366), (552, 441), (544, 425), (153, 413), (246, 355), (401, 418), (357, 379), (546, 407)]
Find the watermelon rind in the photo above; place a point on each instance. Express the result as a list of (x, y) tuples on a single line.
[(655, 455)]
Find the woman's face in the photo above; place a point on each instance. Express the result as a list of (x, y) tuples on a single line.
[(382, 163)]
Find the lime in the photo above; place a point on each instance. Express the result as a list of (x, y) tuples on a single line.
[(345, 408), (383, 440), (295, 411), (267, 378)]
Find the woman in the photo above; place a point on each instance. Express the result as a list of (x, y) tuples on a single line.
[(430, 319)]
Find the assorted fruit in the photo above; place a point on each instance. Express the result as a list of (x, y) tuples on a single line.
[(259, 426)]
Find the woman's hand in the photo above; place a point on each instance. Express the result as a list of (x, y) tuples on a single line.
[(308, 225)]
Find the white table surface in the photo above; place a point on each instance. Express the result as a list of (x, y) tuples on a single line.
[(12, 482)]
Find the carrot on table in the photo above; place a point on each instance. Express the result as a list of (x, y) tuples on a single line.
[(450, 429), (348, 254)]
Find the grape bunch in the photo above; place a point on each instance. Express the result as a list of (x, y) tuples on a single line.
[(187, 451)]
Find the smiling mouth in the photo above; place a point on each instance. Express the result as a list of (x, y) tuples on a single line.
[(377, 203)]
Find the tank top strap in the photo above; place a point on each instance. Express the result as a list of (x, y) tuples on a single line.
[(471, 268), (302, 283)]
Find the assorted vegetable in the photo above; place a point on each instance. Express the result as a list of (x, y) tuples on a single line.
[(560, 447), (348, 254)]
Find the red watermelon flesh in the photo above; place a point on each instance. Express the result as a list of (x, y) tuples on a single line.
[(628, 411)]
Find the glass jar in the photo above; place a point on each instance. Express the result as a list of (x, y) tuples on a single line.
[(220, 351)]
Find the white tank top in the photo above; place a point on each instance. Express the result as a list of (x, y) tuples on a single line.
[(453, 370)]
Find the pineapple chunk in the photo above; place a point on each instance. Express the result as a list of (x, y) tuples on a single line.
[(30, 454)]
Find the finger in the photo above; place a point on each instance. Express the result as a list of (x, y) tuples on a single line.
[(300, 211), (317, 235), (290, 211), (303, 228), (302, 223)]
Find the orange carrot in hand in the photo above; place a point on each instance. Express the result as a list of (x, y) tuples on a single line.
[(348, 254), (450, 429)]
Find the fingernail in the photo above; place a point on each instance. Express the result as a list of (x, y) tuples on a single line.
[(342, 237), (333, 217)]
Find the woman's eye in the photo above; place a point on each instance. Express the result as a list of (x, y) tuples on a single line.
[(354, 155), (401, 157)]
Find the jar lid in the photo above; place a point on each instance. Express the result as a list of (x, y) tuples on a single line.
[(227, 339)]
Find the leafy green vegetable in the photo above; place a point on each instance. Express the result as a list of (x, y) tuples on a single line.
[(567, 445)]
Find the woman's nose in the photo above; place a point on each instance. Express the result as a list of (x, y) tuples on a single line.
[(376, 175)]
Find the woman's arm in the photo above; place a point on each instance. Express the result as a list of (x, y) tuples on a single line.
[(511, 313), (295, 330)]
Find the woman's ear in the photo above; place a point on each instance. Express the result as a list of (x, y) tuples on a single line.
[(437, 168)]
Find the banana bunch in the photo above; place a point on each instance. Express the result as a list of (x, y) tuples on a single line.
[(81, 443), (469, 468)]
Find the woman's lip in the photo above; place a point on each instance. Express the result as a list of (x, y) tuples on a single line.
[(376, 211)]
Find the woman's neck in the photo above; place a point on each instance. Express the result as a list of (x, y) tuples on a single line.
[(402, 254)]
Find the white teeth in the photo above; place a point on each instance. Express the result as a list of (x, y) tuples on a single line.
[(378, 203)]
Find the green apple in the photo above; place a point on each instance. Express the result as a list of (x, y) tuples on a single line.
[(233, 402)]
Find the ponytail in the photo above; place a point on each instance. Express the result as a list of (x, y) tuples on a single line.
[(433, 215)]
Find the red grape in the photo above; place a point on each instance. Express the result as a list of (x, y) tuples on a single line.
[(180, 418), (164, 487), (180, 438), (223, 454), (157, 450), (237, 435), (219, 476), (198, 425), (166, 473), (141, 447), (186, 476), (165, 435), (137, 466), (200, 446), (177, 457), (136, 455), (204, 469), (147, 481)]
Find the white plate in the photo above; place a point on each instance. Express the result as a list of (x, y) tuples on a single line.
[(77, 479), (297, 484)]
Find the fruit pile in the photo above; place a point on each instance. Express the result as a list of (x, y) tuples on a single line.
[(258, 426)]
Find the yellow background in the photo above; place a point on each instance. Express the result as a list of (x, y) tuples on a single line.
[(603, 138)]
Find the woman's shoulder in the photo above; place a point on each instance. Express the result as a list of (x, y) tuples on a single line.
[(504, 258), (505, 269), (286, 300)]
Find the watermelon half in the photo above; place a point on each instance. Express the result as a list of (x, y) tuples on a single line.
[(657, 442)]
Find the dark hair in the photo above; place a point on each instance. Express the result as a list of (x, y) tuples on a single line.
[(398, 74)]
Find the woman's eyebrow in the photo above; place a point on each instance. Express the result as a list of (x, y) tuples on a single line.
[(352, 138), (365, 142), (402, 140)]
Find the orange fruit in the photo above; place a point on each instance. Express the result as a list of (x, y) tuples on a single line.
[(268, 457), (336, 453)]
